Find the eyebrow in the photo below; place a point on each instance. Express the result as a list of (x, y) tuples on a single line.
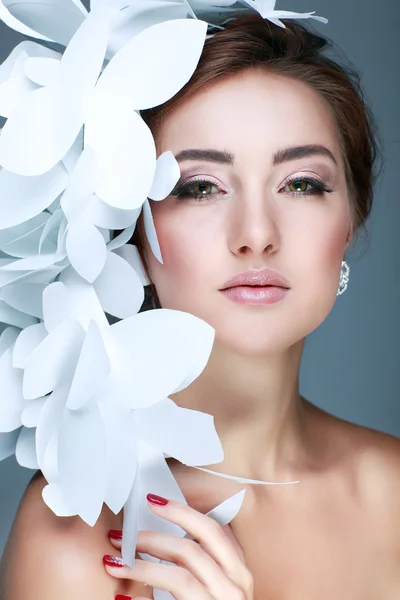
[(223, 157)]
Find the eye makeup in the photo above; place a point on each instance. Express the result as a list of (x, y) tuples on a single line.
[(200, 188)]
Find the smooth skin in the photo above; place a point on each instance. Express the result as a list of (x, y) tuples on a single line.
[(334, 535)]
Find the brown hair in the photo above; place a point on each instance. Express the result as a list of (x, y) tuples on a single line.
[(250, 42)]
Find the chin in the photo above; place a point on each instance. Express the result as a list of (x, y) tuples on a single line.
[(252, 345)]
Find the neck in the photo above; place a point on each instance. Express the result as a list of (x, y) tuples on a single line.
[(258, 412)]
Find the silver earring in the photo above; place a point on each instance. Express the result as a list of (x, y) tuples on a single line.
[(344, 278)]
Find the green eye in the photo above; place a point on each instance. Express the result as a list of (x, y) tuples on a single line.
[(298, 186), (306, 186), (202, 188)]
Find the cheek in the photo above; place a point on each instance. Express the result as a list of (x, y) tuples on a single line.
[(186, 252)]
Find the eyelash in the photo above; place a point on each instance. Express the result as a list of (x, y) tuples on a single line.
[(182, 191)]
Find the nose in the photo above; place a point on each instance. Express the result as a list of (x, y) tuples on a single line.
[(253, 225)]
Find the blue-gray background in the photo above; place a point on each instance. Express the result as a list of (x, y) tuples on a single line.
[(351, 364)]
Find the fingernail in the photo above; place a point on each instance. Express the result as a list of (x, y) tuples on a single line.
[(123, 597), (113, 561), (157, 500), (116, 534)]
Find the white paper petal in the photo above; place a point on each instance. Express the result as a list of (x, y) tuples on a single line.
[(41, 191), (86, 249), (15, 87), (49, 423), (151, 352), (155, 477), (155, 64), (57, 305), (54, 360), (8, 442), (130, 525), (187, 435), (39, 132), (31, 413), (11, 399), (82, 455), (25, 239), (29, 49), (81, 184), (225, 512), (11, 316), (121, 453), (140, 15), (32, 263), (8, 337), (125, 151), (27, 341), (11, 21), (92, 369), (49, 463), (166, 176), (199, 358), (90, 42), (104, 215), (43, 71), (119, 288), (245, 480), (44, 125), (130, 253), (38, 276), (54, 497), (54, 19), (85, 305), (26, 297), (151, 233), (54, 222), (73, 154), (25, 451)]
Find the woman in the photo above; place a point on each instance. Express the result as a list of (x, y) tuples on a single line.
[(276, 151)]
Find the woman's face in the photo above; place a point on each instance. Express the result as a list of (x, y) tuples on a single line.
[(251, 216)]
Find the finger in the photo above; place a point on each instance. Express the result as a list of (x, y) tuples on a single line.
[(212, 538), (115, 536), (186, 553), (177, 580), (192, 556), (228, 530), (116, 543)]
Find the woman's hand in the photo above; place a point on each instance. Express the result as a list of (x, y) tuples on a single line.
[(209, 567)]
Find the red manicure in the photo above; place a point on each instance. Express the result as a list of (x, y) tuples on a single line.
[(157, 500), (116, 534), (123, 597), (113, 561)]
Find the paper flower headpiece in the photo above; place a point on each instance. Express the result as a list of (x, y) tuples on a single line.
[(79, 398)]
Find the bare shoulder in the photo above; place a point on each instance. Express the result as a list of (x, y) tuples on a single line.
[(379, 456), (49, 557), (369, 458), (373, 461)]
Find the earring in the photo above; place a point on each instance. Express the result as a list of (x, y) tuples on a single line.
[(344, 278)]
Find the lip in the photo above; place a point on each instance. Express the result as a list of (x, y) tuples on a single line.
[(260, 278), (255, 295)]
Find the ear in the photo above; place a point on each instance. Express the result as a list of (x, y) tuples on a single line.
[(349, 235)]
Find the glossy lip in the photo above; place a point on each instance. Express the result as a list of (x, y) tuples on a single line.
[(264, 277), (255, 295)]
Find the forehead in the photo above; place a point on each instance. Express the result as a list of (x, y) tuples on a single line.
[(248, 114)]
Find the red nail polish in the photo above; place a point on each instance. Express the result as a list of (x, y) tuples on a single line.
[(113, 561), (116, 534), (123, 597), (157, 500)]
